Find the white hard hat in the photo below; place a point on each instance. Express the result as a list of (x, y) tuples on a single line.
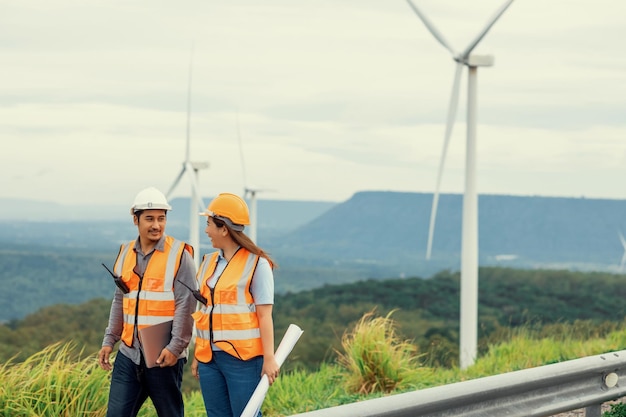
[(150, 199)]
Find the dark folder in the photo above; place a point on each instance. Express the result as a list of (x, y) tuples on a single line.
[(153, 340)]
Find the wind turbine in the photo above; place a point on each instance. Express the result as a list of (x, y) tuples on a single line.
[(469, 245), (249, 193), (623, 263), (191, 168)]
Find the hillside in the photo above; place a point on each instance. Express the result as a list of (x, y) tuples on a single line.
[(427, 311), (389, 231), (378, 235)]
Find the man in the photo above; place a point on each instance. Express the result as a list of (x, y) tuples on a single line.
[(153, 271)]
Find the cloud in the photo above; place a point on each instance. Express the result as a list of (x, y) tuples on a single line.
[(332, 97)]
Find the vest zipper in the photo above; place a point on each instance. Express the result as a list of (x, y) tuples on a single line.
[(136, 330)]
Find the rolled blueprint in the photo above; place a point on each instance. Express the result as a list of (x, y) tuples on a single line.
[(285, 347)]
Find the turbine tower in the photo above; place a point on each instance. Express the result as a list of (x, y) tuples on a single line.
[(469, 245), (622, 264), (249, 193), (191, 168)]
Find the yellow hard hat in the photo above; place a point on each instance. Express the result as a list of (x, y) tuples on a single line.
[(229, 208)]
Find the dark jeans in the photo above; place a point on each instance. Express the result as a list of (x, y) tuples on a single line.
[(132, 384), (227, 383)]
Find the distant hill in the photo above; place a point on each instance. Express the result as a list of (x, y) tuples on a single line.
[(94, 226), (285, 214), (377, 235), (389, 231), (382, 233)]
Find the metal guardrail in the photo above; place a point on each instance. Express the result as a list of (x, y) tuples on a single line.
[(536, 392)]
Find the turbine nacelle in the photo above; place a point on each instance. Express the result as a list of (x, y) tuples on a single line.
[(198, 165), (476, 60), (252, 191)]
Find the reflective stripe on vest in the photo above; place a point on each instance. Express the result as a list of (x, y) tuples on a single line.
[(230, 320), (154, 303)]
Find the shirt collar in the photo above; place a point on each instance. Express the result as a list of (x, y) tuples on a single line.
[(220, 254), (160, 245)]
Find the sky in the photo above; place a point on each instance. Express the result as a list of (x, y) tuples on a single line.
[(306, 100)]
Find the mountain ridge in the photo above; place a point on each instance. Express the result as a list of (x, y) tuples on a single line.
[(514, 231), (372, 235), (385, 232)]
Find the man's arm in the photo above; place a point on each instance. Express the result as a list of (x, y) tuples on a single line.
[(182, 327), (113, 332)]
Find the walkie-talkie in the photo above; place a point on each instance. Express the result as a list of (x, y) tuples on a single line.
[(196, 294), (118, 281)]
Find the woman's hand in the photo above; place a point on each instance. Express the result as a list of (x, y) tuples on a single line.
[(271, 369), (194, 368)]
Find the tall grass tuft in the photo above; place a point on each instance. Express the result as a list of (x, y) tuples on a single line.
[(374, 358), (53, 383)]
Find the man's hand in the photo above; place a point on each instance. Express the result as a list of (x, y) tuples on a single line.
[(103, 358), (166, 358)]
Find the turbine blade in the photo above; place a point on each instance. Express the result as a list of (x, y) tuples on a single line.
[(176, 181), (454, 102), (189, 105), (194, 185), (623, 262), (433, 30), (243, 164), (482, 34)]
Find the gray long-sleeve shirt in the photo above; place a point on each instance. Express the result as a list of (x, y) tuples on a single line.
[(185, 305)]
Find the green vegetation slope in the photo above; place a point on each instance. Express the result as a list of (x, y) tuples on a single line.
[(426, 311)]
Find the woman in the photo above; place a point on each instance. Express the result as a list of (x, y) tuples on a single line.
[(234, 328)]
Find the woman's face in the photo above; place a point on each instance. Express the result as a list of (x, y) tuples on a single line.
[(215, 233)]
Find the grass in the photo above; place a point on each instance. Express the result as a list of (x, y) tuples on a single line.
[(374, 358), (53, 383), (374, 362)]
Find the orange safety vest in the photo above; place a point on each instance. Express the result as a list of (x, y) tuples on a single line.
[(229, 319), (150, 300)]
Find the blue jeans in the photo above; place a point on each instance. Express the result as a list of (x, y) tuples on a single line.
[(132, 384), (227, 383)]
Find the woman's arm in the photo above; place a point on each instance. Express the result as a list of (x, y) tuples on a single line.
[(266, 324)]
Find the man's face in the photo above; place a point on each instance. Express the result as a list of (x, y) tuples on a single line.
[(151, 224)]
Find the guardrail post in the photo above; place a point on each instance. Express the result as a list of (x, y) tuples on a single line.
[(594, 411)]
